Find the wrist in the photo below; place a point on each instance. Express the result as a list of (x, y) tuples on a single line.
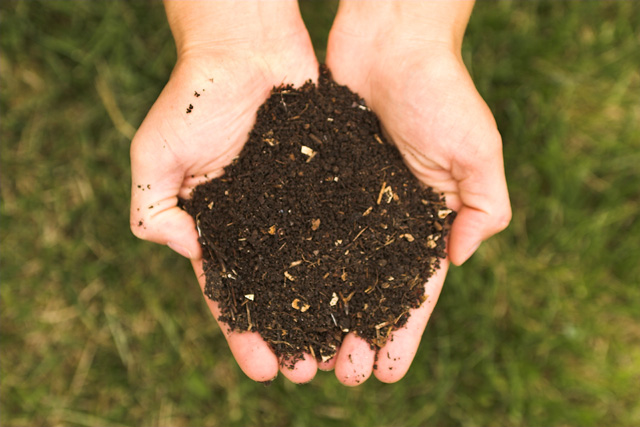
[(207, 25), (391, 22)]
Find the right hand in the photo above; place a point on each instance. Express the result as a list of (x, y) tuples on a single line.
[(174, 150)]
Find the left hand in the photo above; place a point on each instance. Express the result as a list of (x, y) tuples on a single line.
[(431, 110), (200, 122)]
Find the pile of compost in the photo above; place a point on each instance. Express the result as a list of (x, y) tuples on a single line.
[(318, 228)]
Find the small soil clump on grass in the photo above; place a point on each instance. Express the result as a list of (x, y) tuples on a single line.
[(318, 228)]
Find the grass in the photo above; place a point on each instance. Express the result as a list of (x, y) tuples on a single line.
[(541, 327)]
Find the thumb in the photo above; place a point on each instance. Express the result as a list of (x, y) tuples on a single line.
[(157, 177), (485, 207)]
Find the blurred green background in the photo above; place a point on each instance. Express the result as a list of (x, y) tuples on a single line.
[(540, 328)]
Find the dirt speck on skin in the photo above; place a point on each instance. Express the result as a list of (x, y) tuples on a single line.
[(321, 222)]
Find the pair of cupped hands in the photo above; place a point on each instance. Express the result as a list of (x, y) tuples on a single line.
[(403, 58)]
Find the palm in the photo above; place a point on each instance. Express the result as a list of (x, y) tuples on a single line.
[(429, 109), (225, 96)]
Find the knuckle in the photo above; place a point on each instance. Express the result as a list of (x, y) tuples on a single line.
[(503, 220), (138, 228)]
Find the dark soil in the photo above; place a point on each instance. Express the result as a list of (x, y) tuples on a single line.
[(318, 228)]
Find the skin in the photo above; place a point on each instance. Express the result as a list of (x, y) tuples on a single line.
[(233, 61), (402, 57)]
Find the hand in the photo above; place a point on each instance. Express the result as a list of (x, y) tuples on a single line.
[(225, 72), (412, 75)]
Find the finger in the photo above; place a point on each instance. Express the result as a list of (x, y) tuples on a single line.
[(354, 362), (253, 354), (155, 215), (302, 371), (328, 365), (486, 209), (394, 359)]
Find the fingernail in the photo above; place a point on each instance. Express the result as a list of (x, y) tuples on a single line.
[(471, 251), (180, 249)]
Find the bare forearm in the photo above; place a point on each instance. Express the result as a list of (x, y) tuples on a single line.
[(434, 20), (208, 23)]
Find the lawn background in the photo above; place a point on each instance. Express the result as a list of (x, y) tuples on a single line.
[(540, 328)]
